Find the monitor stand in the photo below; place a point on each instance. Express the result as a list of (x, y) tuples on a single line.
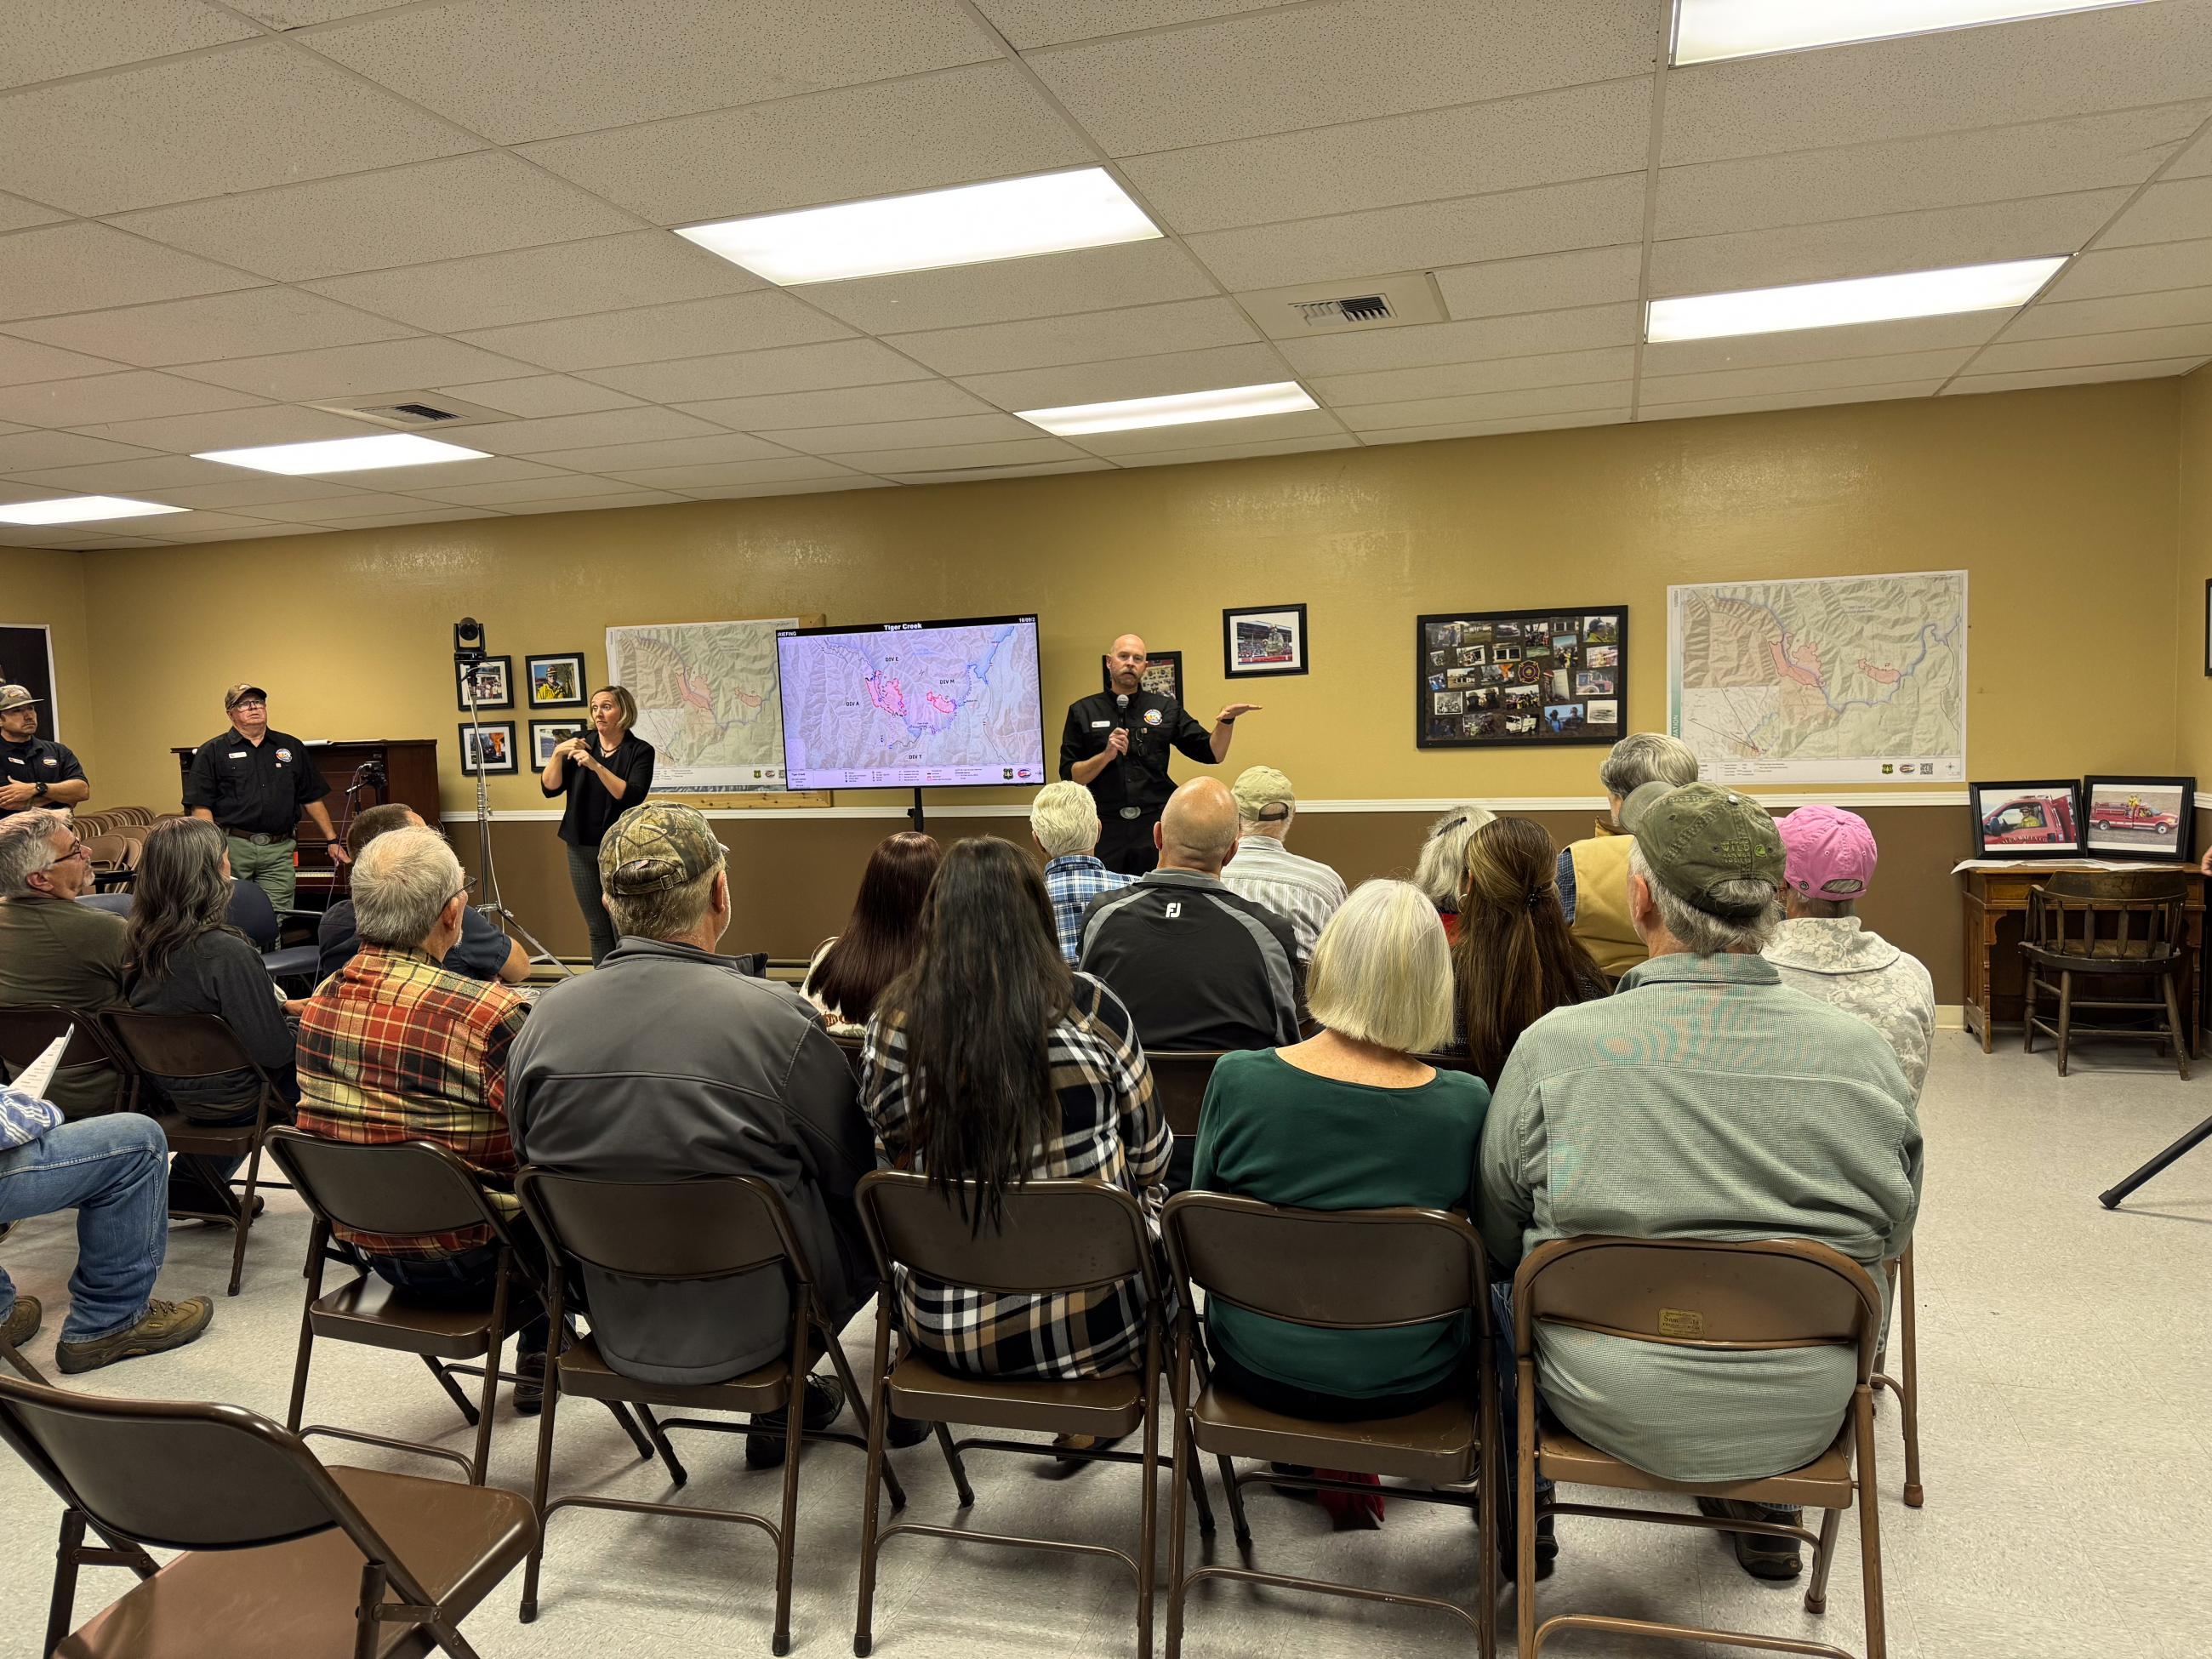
[(914, 812)]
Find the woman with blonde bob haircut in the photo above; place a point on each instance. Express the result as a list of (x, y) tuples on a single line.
[(1351, 1118)]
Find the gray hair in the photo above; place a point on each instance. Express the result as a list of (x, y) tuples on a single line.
[(1064, 818), (669, 914), (401, 883), (26, 848), (1382, 972), (1443, 864), (1643, 758), (1703, 933)]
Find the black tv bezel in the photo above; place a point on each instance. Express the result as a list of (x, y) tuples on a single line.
[(914, 626)]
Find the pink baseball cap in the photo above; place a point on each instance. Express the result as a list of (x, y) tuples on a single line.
[(1827, 852)]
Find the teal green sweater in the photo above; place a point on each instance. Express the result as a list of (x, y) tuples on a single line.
[(1272, 1132)]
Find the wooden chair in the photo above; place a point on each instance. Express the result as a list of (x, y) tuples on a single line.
[(284, 1556), (1336, 1270), (2108, 925), (676, 1232), (1719, 1298), (1054, 1237), (1906, 1384), (26, 1032)]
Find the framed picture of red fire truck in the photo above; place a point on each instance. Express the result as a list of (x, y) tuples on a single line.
[(2139, 817), (2038, 818)]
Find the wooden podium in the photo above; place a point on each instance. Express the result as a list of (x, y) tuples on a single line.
[(410, 766)]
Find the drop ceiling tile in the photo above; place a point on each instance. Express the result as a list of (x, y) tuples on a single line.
[(1242, 452), (1047, 342), (238, 428), (540, 394), (797, 487), (598, 503), (125, 477), (1129, 377), (446, 514), (16, 214), (2144, 270), (1732, 383), (208, 124), (719, 449), (652, 334), (189, 538), (2195, 162), (1542, 281), (331, 509), (1585, 329), (41, 537), (1589, 213), (2141, 345), (421, 480), (983, 474), (795, 469), (2174, 308), (2164, 213), (249, 491), (518, 69), (1578, 133), (1010, 291), (1815, 345), (49, 38), (1015, 452), (1951, 169), (1857, 394), (1867, 247), (134, 394), (1485, 405), (910, 400), (1494, 374), (2036, 69), (2020, 380), (86, 267), (350, 371), (613, 426), (983, 122), (757, 374), (1027, 23), (26, 451), (902, 434), (552, 486), (530, 285), (209, 524), (1311, 66), (479, 204), (1307, 426), (248, 322), (299, 14), (22, 360)]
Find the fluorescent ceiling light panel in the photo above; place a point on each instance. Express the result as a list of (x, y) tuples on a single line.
[(1231, 403), (344, 454), (967, 225), (79, 509), (1706, 30), (1855, 300)]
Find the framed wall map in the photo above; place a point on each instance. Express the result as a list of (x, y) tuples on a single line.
[(1558, 676)]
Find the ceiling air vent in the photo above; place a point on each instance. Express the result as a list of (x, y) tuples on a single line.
[(1393, 300), (1338, 313), (416, 411)]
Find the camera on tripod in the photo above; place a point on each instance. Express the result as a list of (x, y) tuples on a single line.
[(469, 648)]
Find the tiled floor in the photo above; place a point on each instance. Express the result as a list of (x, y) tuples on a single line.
[(2066, 1420)]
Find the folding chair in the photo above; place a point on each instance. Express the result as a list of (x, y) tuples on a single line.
[(1344, 1270), (678, 1230), (1054, 1237), (1907, 1385), (1713, 1297), (399, 1190), (1181, 1076), (26, 1032), (285, 1557)]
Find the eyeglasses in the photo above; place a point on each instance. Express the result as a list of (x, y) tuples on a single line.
[(251, 702), (77, 850)]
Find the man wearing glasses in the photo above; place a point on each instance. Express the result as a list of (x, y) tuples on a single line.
[(54, 949), (34, 771), (254, 782)]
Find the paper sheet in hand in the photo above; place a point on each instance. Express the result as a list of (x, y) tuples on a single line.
[(33, 1079)]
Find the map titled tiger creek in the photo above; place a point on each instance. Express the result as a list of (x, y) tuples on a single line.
[(913, 704), (1835, 679)]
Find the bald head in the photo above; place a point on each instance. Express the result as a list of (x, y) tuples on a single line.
[(1198, 830), (1127, 662)]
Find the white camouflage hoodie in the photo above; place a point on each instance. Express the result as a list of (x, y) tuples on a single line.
[(1837, 960)]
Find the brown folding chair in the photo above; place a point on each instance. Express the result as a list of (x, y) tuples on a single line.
[(194, 1046), (26, 1032), (678, 1230), (1180, 1076), (284, 1556), (13, 1356), (1713, 1297), (1341, 1270), (1054, 1237), (1906, 1384), (2106, 925)]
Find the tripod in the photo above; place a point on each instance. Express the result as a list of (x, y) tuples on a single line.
[(489, 901), (2197, 1136)]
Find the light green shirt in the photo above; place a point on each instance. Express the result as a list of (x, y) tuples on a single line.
[(1704, 1099)]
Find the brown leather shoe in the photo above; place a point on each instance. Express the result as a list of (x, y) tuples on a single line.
[(22, 1321), (163, 1326)]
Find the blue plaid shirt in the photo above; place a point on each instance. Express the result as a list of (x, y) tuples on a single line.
[(1074, 879)]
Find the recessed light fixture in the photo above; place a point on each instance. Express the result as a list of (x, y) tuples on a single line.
[(1230, 403), (344, 454), (967, 225), (1707, 30), (79, 509), (1855, 300)]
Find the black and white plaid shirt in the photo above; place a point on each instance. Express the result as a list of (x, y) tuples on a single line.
[(1111, 1127)]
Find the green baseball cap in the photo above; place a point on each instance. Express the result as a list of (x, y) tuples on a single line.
[(652, 847), (1697, 836)]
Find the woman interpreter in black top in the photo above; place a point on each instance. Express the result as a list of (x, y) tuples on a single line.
[(605, 772)]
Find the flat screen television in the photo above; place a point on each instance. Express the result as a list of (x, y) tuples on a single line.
[(908, 705)]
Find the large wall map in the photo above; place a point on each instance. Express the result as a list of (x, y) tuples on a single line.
[(1835, 679), (707, 700)]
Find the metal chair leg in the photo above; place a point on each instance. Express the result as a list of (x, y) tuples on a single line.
[(1824, 1557), (953, 1462), (1908, 1397), (1877, 1636), (677, 1472), (466, 1406)]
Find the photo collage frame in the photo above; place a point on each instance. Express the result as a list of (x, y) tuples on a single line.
[(1551, 677)]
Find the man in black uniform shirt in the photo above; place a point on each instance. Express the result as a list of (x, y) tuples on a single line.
[(254, 782), (34, 771), (1116, 744)]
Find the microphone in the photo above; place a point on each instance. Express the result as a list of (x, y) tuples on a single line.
[(1121, 703)]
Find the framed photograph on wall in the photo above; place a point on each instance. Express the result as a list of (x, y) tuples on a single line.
[(497, 756), (546, 735), (2038, 818), (1524, 679), (2139, 817), (1268, 639), (556, 682), (493, 682), (1163, 673)]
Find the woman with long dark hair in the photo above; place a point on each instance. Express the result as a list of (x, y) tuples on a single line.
[(603, 772), (1513, 959), (883, 936), (182, 957), (990, 1061)]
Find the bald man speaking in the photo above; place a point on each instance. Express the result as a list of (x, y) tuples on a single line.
[(1117, 744)]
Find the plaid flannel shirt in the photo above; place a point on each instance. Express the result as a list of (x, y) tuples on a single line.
[(394, 1047), (1071, 881), (1111, 1127)]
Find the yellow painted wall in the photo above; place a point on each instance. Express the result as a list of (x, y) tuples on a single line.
[(2193, 710), (2063, 504), (38, 586)]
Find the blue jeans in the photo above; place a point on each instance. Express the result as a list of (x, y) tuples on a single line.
[(114, 1172), (470, 1280)]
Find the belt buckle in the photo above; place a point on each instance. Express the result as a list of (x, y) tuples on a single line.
[(1131, 813), (260, 839)]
